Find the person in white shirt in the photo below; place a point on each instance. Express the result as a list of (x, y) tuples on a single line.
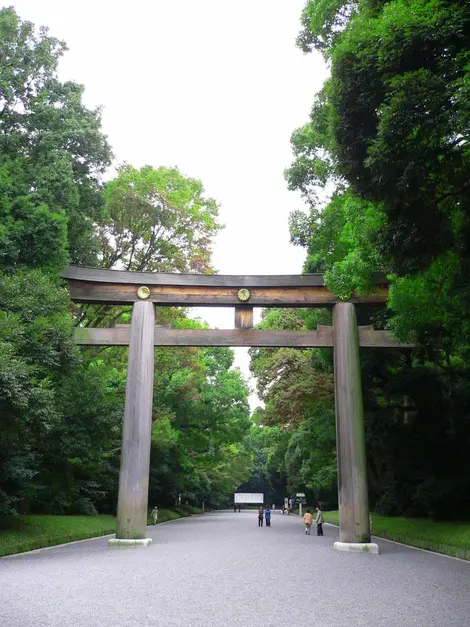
[(319, 521)]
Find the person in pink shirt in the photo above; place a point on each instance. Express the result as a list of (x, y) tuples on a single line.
[(308, 520)]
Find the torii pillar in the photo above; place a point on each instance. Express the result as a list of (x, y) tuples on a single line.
[(136, 433), (354, 529)]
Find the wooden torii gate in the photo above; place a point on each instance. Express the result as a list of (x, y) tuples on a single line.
[(146, 290)]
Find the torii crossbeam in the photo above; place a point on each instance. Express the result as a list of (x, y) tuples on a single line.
[(146, 290)]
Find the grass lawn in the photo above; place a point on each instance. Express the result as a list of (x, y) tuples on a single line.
[(172, 514), (24, 533), (451, 538)]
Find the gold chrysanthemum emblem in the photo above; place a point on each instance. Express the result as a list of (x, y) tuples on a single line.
[(243, 295), (143, 292)]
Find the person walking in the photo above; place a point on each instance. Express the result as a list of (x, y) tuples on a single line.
[(267, 515), (319, 521), (155, 515), (308, 520), (260, 516)]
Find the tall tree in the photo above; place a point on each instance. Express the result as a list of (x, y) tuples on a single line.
[(201, 418), (52, 151), (157, 220), (392, 124), (60, 408), (297, 389), (383, 163)]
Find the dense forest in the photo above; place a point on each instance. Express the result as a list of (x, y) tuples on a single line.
[(383, 165), (61, 408)]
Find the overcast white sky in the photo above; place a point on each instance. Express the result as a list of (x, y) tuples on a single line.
[(211, 86)]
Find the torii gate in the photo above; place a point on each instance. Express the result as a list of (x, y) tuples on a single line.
[(145, 290)]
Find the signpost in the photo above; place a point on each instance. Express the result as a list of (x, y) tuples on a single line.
[(249, 498), (300, 500)]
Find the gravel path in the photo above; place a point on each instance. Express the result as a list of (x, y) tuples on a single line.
[(221, 570)]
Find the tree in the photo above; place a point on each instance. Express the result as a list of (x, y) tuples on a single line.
[(157, 221), (296, 445), (383, 163), (50, 431), (52, 154), (61, 408), (201, 418), (391, 125)]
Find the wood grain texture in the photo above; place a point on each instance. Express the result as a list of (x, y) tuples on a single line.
[(165, 336), (350, 437), (203, 280), (136, 433), (173, 296), (209, 337), (196, 280), (243, 317), (118, 336), (243, 337), (369, 338)]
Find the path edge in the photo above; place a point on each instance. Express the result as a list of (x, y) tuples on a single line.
[(107, 535), (410, 546)]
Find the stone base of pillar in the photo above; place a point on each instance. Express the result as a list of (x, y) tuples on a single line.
[(357, 547), (124, 543)]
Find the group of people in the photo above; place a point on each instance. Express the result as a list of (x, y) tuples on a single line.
[(307, 519), (267, 515)]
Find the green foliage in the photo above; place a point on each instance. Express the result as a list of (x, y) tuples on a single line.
[(295, 446), (52, 154), (25, 533), (51, 455), (61, 409), (37, 351), (392, 124), (201, 420), (157, 220), (398, 78), (341, 243), (266, 447), (383, 164), (429, 309), (322, 21)]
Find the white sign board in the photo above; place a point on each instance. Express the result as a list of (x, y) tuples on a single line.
[(300, 494), (249, 497)]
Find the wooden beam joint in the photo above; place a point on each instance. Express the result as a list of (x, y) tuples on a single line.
[(243, 317)]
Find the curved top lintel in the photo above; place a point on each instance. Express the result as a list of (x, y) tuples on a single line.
[(95, 285), (99, 275)]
